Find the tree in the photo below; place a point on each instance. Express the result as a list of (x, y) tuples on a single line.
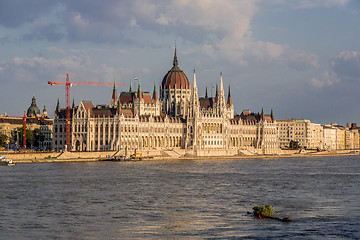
[(20, 135), (3, 140), (38, 137)]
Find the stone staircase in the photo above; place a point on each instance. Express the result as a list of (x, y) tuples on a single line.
[(246, 152), (65, 155), (172, 153)]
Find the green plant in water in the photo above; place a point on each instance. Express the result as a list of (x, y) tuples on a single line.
[(264, 211)]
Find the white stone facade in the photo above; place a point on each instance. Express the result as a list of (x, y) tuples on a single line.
[(178, 121)]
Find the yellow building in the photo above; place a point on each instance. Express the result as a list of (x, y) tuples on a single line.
[(307, 134)]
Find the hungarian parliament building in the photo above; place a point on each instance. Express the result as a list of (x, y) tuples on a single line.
[(175, 122)]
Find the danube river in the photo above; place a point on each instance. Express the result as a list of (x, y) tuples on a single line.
[(182, 199)]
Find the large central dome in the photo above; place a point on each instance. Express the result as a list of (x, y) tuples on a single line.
[(175, 78)]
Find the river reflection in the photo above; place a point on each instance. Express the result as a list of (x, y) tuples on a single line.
[(181, 199)]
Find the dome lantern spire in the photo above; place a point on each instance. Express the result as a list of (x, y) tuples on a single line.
[(175, 62)]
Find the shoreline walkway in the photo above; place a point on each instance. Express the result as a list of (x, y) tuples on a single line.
[(96, 156)]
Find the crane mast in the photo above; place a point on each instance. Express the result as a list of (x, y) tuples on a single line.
[(67, 129), (69, 84), (24, 132)]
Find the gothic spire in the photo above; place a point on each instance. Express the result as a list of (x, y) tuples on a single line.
[(221, 93), (206, 94), (262, 113), (221, 83), (130, 90), (194, 99), (139, 90), (216, 94), (114, 94), (194, 81), (58, 105), (175, 62), (73, 104), (155, 96), (272, 114), (229, 102)]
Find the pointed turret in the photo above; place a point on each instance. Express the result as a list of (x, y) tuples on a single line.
[(114, 94), (194, 81), (58, 106), (194, 99), (216, 94), (130, 89), (220, 99), (229, 101), (73, 104), (139, 93), (262, 113), (114, 97), (272, 115), (221, 83), (221, 93), (206, 94), (155, 96)]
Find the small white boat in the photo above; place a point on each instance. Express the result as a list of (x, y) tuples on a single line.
[(6, 162)]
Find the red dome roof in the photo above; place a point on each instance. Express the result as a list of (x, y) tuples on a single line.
[(175, 78)]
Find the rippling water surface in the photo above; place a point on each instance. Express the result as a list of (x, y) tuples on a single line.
[(181, 199)]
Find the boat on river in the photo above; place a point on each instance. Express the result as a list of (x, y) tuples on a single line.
[(6, 162)]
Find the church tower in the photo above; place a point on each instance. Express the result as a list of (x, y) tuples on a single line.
[(114, 98)]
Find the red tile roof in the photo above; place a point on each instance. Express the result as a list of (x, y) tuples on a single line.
[(206, 102)]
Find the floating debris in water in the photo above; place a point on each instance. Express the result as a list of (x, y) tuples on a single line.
[(263, 211), (266, 211)]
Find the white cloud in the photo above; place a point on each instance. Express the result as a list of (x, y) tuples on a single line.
[(325, 81), (230, 22), (347, 65), (222, 28), (345, 68), (41, 69)]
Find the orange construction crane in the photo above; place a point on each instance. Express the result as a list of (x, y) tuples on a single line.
[(24, 132), (69, 84)]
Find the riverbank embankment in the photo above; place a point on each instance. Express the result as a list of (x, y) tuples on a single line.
[(29, 157)]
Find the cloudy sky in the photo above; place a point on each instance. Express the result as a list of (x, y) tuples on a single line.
[(300, 57)]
